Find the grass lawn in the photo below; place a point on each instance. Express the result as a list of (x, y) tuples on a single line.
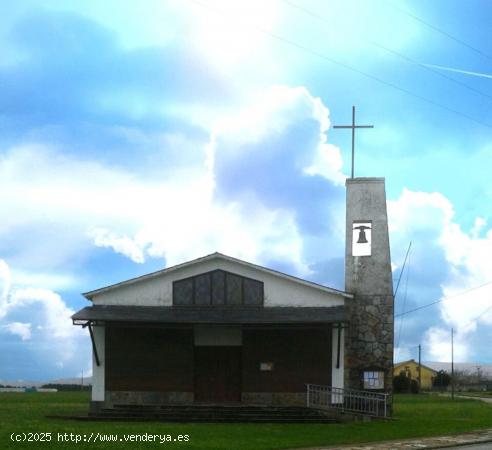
[(417, 415)]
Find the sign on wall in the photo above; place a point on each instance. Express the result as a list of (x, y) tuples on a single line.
[(361, 238)]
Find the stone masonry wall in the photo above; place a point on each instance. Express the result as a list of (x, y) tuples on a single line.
[(369, 339)]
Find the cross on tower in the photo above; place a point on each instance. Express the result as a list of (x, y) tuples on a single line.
[(353, 127)]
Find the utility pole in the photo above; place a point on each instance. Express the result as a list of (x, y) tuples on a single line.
[(452, 363), (420, 369)]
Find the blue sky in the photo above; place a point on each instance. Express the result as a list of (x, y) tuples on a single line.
[(136, 137)]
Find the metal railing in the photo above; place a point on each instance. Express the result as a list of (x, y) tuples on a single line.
[(347, 400)]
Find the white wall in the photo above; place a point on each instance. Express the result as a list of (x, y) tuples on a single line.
[(157, 291), (98, 371)]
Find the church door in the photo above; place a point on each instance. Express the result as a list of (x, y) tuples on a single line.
[(217, 374)]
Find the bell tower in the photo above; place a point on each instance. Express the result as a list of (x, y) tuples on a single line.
[(369, 337)]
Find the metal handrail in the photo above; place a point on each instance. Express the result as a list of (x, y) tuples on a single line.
[(347, 400)]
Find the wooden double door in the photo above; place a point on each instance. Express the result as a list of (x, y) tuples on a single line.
[(217, 374)]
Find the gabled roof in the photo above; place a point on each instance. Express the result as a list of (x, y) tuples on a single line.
[(415, 362), (210, 257)]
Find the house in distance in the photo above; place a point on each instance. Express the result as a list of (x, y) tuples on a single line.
[(414, 371), (221, 330)]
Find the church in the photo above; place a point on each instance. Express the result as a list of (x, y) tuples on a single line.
[(219, 330)]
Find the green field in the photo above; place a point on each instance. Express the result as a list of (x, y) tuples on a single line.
[(418, 415)]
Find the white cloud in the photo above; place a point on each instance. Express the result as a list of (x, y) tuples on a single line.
[(47, 280), (49, 328), (469, 256), (415, 211), (402, 354), (120, 244), (222, 32), (60, 200), (5, 280), (276, 146), (23, 330), (327, 163), (428, 219), (230, 229), (271, 111), (478, 226), (47, 307), (440, 345), (65, 205)]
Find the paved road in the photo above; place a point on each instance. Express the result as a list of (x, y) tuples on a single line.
[(467, 441), (486, 446), (469, 397), (483, 399)]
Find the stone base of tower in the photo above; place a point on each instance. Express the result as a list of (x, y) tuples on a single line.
[(369, 341)]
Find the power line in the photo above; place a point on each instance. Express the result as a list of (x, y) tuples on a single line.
[(404, 299), (429, 69), (439, 30), (444, 298), (420, 307), (485, 311), (394, 52), (402, 269), (348, 67)]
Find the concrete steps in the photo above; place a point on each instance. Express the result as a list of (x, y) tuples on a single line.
[(214, 413)]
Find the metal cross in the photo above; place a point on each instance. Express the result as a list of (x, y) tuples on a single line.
[(353, 127)]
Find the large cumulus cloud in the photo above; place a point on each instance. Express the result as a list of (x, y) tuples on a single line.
[(59, 208), (37, 336), (275, 151), (449, 265)]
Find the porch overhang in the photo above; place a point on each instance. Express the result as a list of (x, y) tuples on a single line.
[(210, 315)]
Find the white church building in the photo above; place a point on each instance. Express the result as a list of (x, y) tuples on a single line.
[(219, 330)]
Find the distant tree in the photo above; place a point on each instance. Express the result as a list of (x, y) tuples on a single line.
[(401, 383), (470, 378), (66, 387), (441, 380)]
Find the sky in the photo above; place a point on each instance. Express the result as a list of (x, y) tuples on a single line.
[(137, 136)]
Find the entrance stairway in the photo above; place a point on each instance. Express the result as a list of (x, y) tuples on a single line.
[(214, 413)]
